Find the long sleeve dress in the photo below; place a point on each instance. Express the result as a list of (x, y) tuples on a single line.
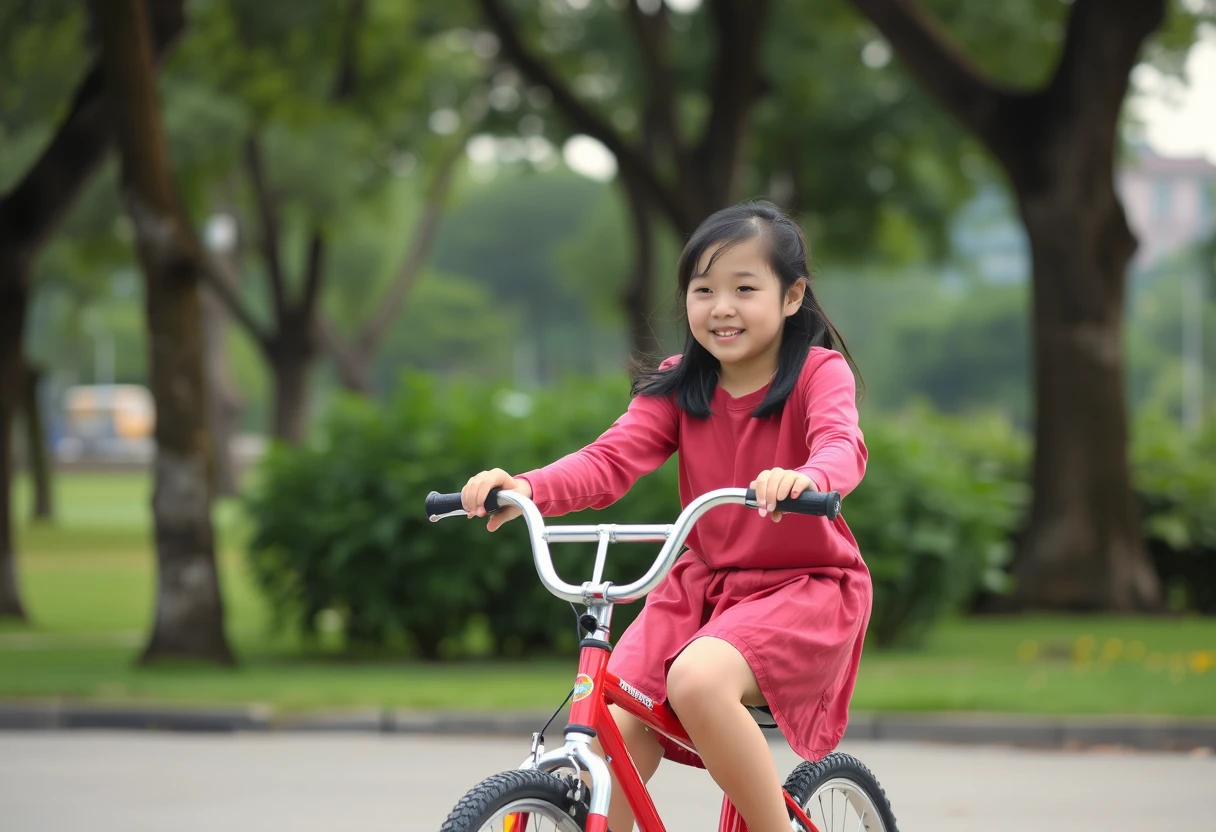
[(792, 597)]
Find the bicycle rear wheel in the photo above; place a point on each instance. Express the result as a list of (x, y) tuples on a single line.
[(520, 801), (839, 794)]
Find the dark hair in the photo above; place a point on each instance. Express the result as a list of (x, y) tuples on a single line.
[(695, 377)]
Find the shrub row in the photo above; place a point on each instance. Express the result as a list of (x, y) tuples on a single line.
[(339, 532)]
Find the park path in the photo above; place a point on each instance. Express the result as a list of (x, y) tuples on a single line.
[(140, 782)]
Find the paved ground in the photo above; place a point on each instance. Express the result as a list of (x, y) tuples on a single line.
[(140, 782)]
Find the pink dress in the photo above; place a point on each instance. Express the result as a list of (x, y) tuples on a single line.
[(792, 597)]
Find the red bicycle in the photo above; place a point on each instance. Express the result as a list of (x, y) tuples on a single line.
[(836, 793)]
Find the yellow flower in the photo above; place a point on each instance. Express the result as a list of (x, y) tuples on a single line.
[(1028, 651), (1112, 649), (1202, 661), (1083, 650)]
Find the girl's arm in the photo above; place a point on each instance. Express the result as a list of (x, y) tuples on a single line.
[(641, 440), (838, 451)]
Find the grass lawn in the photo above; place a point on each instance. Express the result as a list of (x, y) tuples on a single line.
[(88, 584)]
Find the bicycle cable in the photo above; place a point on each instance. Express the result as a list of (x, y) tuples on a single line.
[(578, 632)]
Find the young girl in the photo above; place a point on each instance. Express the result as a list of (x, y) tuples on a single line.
[(754, 613)]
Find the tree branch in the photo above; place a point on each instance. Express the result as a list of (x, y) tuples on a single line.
[(740, 28), (222, 280), (348, 63), (420, 246), (269, 222), (349, 360), (31, 211), (314, 272), (942, 68), (651, 33), (581, 117), (1102, 43), (344, 88)]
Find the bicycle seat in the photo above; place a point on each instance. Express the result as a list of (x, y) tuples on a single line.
[(762, 715)]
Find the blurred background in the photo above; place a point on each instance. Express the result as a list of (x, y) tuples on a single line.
[(270, 272)]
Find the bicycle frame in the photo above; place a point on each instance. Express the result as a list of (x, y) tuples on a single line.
[(590, 711)]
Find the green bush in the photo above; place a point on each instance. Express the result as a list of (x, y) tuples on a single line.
[(339, 526), (1175, 477), (934, 516), (339, 532)]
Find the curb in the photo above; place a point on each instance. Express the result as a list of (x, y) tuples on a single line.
[(1144, 733)]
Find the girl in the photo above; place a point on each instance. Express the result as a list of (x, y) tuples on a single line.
[(753, 613)]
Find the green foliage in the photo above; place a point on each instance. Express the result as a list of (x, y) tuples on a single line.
[(339, 526), (40, 61), (934, 516), (969, 350), (450, 325), (1176, 482)]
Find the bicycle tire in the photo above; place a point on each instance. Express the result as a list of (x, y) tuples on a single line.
[(494, 794), (842, 774)]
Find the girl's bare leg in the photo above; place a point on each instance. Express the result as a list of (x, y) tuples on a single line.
[(707, 686), (646, 753)]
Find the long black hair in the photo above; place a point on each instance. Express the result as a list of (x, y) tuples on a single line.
[(695, 377)]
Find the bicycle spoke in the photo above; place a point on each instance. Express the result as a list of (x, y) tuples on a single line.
[(858, 808)]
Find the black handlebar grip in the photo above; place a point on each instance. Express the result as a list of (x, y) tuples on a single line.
[(438, 504), (815, 503)]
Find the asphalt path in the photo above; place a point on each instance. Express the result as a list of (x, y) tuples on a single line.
[(103, 781)]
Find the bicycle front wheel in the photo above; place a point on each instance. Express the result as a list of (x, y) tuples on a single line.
[(839, 794), (520, 801)]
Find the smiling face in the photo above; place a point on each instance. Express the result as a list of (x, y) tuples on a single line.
[(737, 309)]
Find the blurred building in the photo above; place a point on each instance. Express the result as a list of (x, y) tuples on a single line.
[(1170, 204), (988, 237)]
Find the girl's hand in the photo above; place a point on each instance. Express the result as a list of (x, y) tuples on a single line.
[(778, 484), (475, 491)]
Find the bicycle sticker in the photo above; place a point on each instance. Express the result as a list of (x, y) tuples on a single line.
[(582, 687)]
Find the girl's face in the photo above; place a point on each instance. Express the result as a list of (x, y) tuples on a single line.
[(737, 307)]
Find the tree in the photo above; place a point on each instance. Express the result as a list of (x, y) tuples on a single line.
[(702, 168), (1057, 144), (29, 215), (189, 609), (335, 107), (354, 357), (734, 100)]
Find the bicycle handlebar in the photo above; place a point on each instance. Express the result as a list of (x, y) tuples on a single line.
[(438, 506)]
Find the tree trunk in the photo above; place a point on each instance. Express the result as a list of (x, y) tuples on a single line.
[(29, 214), (189, 609), (12, 325), (291, 356), (638, 298), (1083, 548), (224, 406), (37, 453)]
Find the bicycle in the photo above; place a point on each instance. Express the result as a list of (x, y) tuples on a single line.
[(535, 792)]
